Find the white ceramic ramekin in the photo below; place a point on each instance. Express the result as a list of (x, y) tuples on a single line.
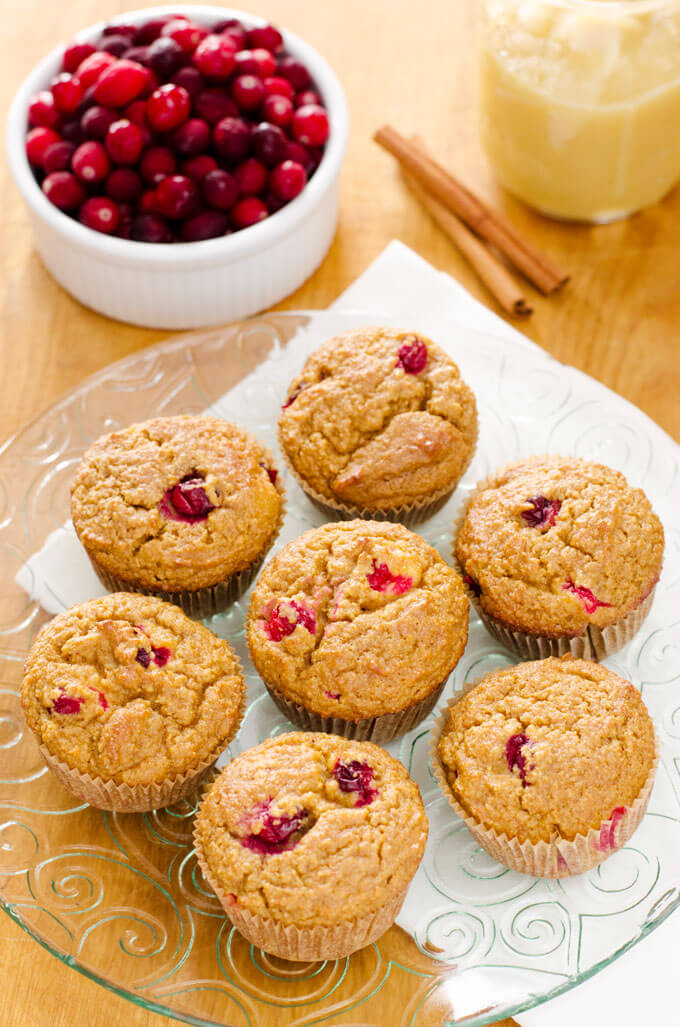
[(187, 285)]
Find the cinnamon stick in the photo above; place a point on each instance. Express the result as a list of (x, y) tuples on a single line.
[(533, 264)]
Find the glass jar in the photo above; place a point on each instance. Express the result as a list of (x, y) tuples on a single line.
[(580, 102)]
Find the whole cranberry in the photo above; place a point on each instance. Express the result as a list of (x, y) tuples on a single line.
[(42, 110), (213, 104), (38, 142), (57, 157), (269, 143), (185, 33), (129, 31), (136, 113), (288, 179), (310, 125), (207, 225), (157, 162), (91, 163), (72, 132), (177, 197), (75, 54), (148, 202), (115, 44), (248, 92), (274, 202), (63, 190), (267, 37), (307, 96), (150, 228), (295, 72), (165, 57), (233, 28), (255, 62), (190, 79), (251, 176), (96, 121), (151, 30), (231, 137), (100, 213), (215, 57), (278, 110), (92, 67), (300, 154), (120, 84), (124, 185), (168, 107), (139, 54), (68, 92), (276, 85), (124, 142), (198, 167), (220, 189), (248, 212), (193, 137)]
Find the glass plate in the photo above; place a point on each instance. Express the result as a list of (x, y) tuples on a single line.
[(119, 897)]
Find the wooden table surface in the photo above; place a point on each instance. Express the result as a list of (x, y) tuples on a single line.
[(414, 67)]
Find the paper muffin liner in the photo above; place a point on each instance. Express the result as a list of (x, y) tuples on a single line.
[(558, 858), (408, 514), (381, 729), (594, 644), (202, 602), (302, 944)]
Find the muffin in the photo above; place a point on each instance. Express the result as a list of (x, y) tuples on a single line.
[(560, 555), (379, 424), (131, 701), (355, 627), (184, 508), (550, 763), (310, 842)]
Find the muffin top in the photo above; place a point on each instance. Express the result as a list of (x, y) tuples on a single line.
[(548, 749), (176, 503), (357, 619), (553, 544), (129, 689), (312, 829), (379, 419)]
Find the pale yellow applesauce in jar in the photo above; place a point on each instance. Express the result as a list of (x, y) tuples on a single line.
[(580, 102)]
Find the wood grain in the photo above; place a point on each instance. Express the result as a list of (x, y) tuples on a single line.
[(616, 320)]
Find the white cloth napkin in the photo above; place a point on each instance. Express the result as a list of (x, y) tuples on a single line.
[(639, 988)]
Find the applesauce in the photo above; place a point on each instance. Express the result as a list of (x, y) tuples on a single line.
[(580, 102)]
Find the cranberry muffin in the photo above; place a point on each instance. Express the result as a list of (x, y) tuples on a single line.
[(184, 508), (355, 628), (310, 842), (550, 763), (379, 424), (130, 700), (560, 555)]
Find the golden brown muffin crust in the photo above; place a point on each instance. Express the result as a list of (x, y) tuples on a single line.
[(357, 619), (548, 749), (352, 852), (595, 557), (362, 430), (118, 492), (129, 689)]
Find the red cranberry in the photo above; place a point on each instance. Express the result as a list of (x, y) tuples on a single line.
[(276, 85), (473, 585), (151, 30), (198, 167), (543, 512), (72, 132), (193, 137), (139, 54), (215, 57), (156, 163), (515, 757), (295, 72), (251, 176), (124, 142), (310, 125), (38, 141), (187, 501), (185, 33), (255, 62), (248, 212), (220, 189), (279, 625), (233, 28), (267, 37), (57, 157), (213, 104), (231, 137), (269, 143), (209, 224), (301, 155), (136, 113), (356, 776), (274, 202), (115, 44), (91, 163), (68, 92), (190, 79), (75, 54), (248, 92), (177, 197), (278, 110), (100, 213), (381, 579), (308, 96), (120, 84), (67, 704), (128, 31), (124, 185), (63, 190), (148, 202), (42, 110), (150, 228), (412, 356), (165, 57), (590, 602), (92, 67), (96, 121), (288, 179), (276, 834), (168, 107)]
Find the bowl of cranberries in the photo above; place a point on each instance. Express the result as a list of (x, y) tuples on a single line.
[(180, 169)]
